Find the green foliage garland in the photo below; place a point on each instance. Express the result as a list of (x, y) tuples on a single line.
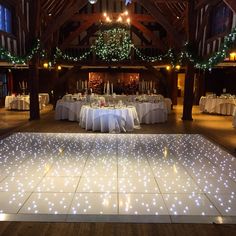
[(113, 45), (8, 56)]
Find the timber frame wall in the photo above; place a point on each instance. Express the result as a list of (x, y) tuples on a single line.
[(16, 42), (208, 45)]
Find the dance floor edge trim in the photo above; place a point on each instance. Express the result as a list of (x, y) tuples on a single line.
[(118, 218)]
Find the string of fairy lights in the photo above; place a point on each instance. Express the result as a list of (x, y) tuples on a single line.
[(114, 45), (8, 56)]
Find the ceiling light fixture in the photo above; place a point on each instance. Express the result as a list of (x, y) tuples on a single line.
[(121, 18), (126, 2), (92, 1)]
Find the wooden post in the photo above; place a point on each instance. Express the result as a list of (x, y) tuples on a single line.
[(34, 88), (34, 63), (188, 93), (189, 79), (56, 93), (174, 86)]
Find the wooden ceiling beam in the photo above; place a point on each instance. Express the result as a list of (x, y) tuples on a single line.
[(60, 20), (60, 7), (168, 12), (140, 35), (100, 17), (161, 19), (202, 3), (231, 4), (173, 9), (173, 1), (156, 41), (83, 27), (90, 32), (56, 8)]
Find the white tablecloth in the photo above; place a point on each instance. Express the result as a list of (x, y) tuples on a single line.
[(19, 102), (223, 106), (116, 98), (151, 113), (68, 110), (132, 98), (44, 98), (109, 119), (234, 118), (168, 103)]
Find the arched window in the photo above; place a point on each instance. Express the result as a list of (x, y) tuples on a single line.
[(221, 20), (5, 19)]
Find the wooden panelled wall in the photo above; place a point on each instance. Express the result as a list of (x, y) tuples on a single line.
[(206, 45), (16, 42)]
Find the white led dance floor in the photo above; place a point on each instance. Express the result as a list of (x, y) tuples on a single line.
[(116, 177)]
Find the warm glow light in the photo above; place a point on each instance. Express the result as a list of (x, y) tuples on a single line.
[(119, 19), (108, 19), (232, 56), (168, 68), (177, 67), (59, 67), (122, 18), (45, 65)]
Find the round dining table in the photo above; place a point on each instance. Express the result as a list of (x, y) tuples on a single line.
[(68, 110), (109, 119), (20, 102), (151, 113), (234, 118), (217, 105)]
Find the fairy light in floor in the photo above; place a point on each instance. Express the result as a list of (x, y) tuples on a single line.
[(108, 174)]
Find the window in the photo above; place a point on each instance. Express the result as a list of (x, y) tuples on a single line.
[(3, 85), (5, 19)]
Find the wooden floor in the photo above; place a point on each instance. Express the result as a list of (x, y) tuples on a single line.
[(110, 229), (217, 128)]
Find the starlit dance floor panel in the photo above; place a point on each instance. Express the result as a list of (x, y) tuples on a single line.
[(116, 178)]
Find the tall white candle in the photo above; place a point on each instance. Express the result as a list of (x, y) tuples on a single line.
[(111, 88), (108, 87), (104, 89), (77, 85)]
